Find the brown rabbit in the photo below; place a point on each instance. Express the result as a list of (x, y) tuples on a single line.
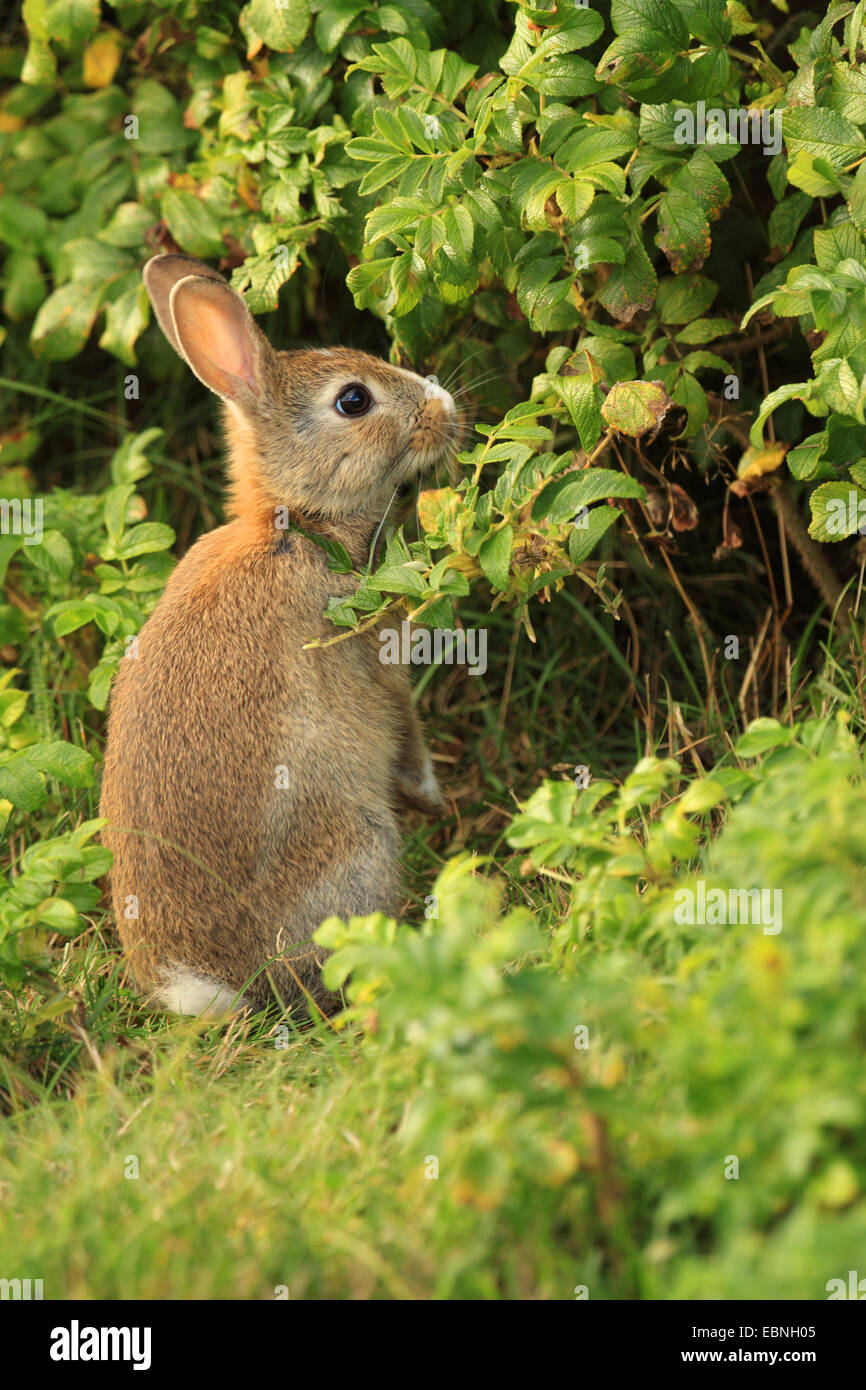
[(252, 787)]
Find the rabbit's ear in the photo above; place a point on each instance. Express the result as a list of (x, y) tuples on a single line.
[(210, 327), (221, 340), (160, 275)]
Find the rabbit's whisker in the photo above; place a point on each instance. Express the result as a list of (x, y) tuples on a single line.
[(375, 540), (462, 365), (476, 385), (459, 342)]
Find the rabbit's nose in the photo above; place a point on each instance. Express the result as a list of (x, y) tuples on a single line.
[(434, 392)]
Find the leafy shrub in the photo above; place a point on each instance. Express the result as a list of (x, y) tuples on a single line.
[(131, 578), (523, 182), (701, 1044)]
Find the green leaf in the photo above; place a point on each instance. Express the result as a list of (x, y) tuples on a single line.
[(91, 261), (12, 705), (494, 557), (459, 233), (814, 175), (367, 281), (615, 359), (848, 92), (160, 121), (192, 224), (655, 17), (683, 298), (394, 216), (64, 322), (145, 539), (21, 784), (588, 531), (707, 20), (838, 510), (705, 331), (25, 285), (631, 286), (385, 172), (407, 283), (651, 35), (100, 684), (397, 579), (857, 199), (561, 75), (126, 318), (58, 914), (397, 64), (128, 226), (23, 226), (334, 20), (70, 616), (53, 556), (129, 461), (684, 232), (282, 27), (581, 399), (261, 277), (429, 236), (785, 220), (40, 64), (822, 133), (689, 394), (804, 460), (762, 735), (704, 181), (67, 22), (840, 243), (564, 498), (796, 390), (703, 795), (70, 765)]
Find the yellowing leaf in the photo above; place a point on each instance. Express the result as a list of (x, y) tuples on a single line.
[(838, 1185), (633, 407), (757, 461), (101, 59), (562, 1162), (432, 503)]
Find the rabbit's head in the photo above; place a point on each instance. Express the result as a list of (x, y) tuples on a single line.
[(329, 432)]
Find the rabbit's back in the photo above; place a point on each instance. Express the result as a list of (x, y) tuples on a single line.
[(248, 782)]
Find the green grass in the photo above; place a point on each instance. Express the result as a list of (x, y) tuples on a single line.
[(256, 1168)]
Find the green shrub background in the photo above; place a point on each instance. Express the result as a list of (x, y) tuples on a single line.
[(537, 1087)]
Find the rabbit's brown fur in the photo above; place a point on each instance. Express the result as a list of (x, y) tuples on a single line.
[(218, 867)]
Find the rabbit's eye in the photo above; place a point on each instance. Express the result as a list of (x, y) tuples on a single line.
[(353, 400)]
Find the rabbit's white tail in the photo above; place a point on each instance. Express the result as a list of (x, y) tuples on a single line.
[(184, 991)]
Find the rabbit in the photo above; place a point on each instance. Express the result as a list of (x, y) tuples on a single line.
[(252, 788)]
